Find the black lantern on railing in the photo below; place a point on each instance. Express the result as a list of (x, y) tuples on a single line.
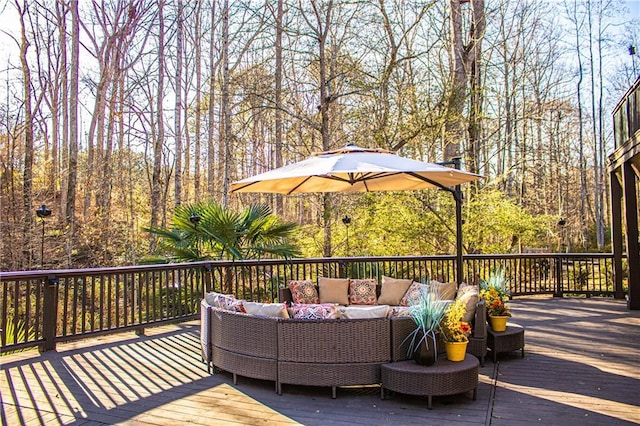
[(195, 219), (561, 223), (42, 212), (347, 221)]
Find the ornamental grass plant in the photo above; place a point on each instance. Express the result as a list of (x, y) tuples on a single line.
[(427, 315)]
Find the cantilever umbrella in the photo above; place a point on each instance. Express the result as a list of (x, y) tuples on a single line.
[(356, 169)]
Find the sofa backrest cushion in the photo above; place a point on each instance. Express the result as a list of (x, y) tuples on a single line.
[(392, 290), (334, 290), (443, 291), (224, 301), (304, 291), (469, 294), (413, 294), (362, 291)]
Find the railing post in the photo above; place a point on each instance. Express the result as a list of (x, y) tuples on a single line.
[(207, 282), (558, 289), (49, 313)]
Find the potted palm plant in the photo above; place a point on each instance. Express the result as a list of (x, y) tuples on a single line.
[(426, 315), (454, 331), (495, 292)]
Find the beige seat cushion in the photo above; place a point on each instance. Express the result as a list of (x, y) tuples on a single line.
[(334, 290), (392, 290), (364, 311), (278, 310)]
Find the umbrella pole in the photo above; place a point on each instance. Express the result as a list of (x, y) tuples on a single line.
[(459, 266), (457, 196)]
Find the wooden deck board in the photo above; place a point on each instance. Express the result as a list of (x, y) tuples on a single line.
[(581, 366)]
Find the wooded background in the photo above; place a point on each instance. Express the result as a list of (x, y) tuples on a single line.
[(115, 112)]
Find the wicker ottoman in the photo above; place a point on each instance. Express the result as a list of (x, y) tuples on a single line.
[(509, 340), (442, 378)]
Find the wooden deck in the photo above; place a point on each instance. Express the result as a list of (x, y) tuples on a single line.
[(581, 366)]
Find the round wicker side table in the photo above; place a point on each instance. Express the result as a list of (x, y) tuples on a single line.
[(509, 340), (442, 378)]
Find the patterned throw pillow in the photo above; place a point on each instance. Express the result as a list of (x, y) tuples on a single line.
[(362, 292), (304, 292), (232, 304), (224, 301), (413, 294), (315, 311)]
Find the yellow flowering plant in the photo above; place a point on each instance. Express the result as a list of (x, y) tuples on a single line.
[(495, 292), (452, 327)]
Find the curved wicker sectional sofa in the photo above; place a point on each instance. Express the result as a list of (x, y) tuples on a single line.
[(332, 353)]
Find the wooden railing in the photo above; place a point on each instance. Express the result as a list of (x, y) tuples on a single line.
[(40, 308)]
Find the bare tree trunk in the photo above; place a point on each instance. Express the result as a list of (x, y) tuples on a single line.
[(198, 117), (72, 167), (463, 56), (278, 94), (596, 120), (27, 192), (226, 107), (211, 160), (156, 184), (61, 15), (581, 157), (603, 200), (321, 31), (178, 109)]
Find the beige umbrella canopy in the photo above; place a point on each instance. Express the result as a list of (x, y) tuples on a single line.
[(356, 169)]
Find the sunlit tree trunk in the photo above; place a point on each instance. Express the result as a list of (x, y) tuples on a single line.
[(278, 98), (27, 190), (198, 112), (211, 158), (226, 108), (178, 106), (72, 167), (156, 184)]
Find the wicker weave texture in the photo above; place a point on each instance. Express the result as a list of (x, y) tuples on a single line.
[(245, 334), (400, 329), (442, 378), (205, 331), (334, 341), (247, 366), (312, 374), (509, 340)]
